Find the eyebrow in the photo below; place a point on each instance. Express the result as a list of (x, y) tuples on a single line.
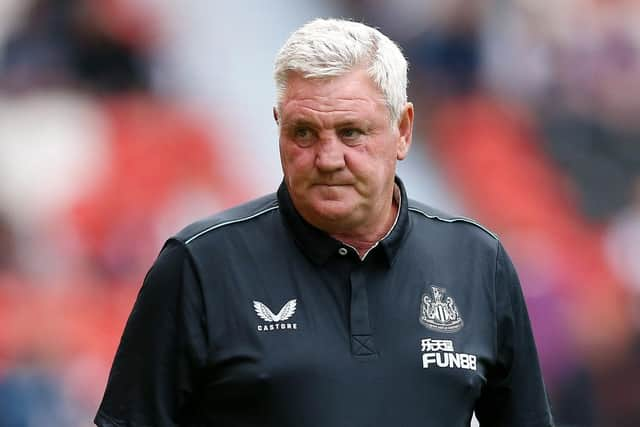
[(299, 122), (340, 124), (353, 123)]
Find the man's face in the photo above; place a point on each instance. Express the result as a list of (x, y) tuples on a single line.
[(339, 149)]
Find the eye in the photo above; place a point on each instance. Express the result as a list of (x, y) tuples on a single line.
[(303, 135), (350, 134)]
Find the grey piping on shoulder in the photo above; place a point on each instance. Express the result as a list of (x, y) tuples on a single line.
[(456, 219), (233, 221)]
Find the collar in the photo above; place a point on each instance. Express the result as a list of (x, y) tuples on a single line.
[(318, 246)]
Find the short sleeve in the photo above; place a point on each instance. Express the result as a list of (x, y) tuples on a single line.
[(514, 395), (163, 347)]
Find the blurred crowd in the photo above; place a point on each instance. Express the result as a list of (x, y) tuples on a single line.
[(529, 110)]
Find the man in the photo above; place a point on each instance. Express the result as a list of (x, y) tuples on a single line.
[(336, 301)]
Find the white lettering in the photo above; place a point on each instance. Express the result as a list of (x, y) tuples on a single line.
[(450, 360), (427, 359), (428, 344), (472, 362), (277, 327), (454, 360), (465, 361), (441, 359)]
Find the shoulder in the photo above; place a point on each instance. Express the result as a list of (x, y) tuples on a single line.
[(428, 215), (241, 214)]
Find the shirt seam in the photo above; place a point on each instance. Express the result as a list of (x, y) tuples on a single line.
[(455, 219), (193, 264), (229, 222)]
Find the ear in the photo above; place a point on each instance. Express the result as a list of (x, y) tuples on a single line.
[(405, 130), (275, 115)]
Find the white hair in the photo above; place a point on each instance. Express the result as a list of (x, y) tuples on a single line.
[(325, 48)]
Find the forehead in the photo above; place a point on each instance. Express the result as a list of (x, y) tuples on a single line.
[(351, 92)]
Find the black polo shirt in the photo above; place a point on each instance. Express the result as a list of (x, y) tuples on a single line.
[(254, 317)]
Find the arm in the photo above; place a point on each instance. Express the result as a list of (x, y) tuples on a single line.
[(162, 347), (514, 395)]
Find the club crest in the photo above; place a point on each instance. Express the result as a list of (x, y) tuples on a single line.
[(439, 312)]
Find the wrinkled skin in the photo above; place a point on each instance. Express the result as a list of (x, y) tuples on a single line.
[(339, 150)]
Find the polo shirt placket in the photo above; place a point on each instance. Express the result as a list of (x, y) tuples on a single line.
[(362, 338), (321, 248)]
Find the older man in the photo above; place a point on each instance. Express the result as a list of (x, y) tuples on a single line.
[(336, 301)]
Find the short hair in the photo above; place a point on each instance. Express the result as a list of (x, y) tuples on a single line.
[(325, 48)]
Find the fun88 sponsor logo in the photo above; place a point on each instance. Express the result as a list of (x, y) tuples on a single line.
[(441, 354)]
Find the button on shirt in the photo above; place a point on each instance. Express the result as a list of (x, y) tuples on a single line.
[(256, 318)]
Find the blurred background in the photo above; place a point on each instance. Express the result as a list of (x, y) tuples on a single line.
[(123, 120)]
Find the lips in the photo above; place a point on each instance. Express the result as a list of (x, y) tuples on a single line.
[(332, 184)]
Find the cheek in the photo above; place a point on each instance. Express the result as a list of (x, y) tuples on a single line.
[(369, 160), (296, 160), (371, 168)]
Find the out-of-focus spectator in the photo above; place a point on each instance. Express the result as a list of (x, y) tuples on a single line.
[(70, 43), (441, 39)]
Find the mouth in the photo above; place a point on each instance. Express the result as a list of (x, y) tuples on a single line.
[(332, 184), (326, 188)]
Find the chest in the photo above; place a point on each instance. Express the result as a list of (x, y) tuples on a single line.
[(351, 329)]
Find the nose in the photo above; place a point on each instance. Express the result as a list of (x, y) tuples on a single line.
[(330, 154)]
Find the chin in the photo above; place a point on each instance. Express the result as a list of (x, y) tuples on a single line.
[(331, 212), (319, 208)]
